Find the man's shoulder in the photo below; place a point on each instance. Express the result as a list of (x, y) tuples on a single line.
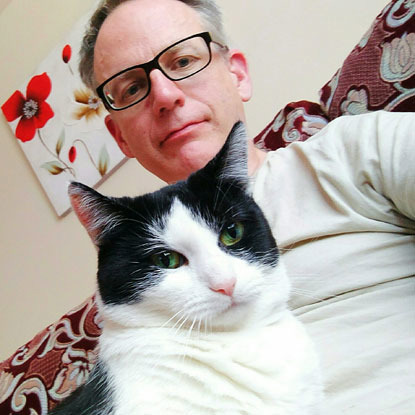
[(348, 135)]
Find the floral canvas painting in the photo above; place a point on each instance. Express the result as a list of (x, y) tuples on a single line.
[(59, 124)]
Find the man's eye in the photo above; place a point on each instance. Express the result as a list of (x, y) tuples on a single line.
[(168, 260), (183, 62), (132, 90), (231, 233)]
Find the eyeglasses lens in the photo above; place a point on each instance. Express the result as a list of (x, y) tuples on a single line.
[(185, 58), (127, 88), (177, 62)]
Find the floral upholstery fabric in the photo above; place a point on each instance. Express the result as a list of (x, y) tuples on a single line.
[(52, 365), (378, 74)]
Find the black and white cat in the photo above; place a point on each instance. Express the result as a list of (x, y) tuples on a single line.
[(193, 296)]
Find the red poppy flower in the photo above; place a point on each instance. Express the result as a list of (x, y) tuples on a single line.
[(34, 111), (66, 53), (72, 154)]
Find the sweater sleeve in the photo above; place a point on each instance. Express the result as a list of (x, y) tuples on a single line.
[(376, 152), (396, 147)]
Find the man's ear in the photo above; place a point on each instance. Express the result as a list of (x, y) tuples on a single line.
[(116, 133), (238, 66)]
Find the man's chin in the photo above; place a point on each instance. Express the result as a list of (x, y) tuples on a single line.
[(183, 171), (184, 156), (195, 155)]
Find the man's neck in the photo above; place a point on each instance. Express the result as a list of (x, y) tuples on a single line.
[(255, 158)]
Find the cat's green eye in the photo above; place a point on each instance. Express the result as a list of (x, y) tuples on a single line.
[(232, 234), (168, 259)]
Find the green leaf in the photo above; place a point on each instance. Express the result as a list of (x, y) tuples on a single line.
[(104, 161), (53, 167), (60, 142)]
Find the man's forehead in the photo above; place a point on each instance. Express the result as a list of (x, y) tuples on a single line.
[(138, 30)]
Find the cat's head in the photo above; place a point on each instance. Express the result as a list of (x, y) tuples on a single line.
[(196, 252)]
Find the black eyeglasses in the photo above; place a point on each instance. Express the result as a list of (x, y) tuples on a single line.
[(181, 60)]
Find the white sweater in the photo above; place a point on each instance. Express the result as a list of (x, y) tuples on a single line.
[(342, 208)]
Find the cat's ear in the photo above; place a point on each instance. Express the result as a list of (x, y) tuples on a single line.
[(231, 163), (96, 212)]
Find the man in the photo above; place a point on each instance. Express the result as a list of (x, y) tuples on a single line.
[(180, 126), (341, 205)]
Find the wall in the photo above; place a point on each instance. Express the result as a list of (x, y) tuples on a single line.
[(47, 264), (3, 4)]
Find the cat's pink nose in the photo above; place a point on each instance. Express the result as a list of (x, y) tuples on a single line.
[(225, 287)]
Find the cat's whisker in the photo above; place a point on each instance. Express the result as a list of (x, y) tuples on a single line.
[(186, 318), (171, 318), (187, 339), (178, 323), (191, 328), (216, 198), (229, 209), (135, 272), (220, 192)]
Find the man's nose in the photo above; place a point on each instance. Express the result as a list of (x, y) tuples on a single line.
[(165, 94)]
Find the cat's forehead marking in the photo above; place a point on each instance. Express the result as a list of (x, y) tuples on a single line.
[(184, 226)]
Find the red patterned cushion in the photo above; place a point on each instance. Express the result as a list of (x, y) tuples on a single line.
[(378, 74), (296, 122), (52, 365)]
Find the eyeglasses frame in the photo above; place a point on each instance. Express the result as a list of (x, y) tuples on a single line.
[(154, 64)]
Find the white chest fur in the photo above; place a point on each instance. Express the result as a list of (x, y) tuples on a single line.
[(270, 370)]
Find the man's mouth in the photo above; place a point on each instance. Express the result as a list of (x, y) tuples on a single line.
[(181, 131)]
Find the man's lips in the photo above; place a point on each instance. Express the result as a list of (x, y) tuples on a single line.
[(181, 131)]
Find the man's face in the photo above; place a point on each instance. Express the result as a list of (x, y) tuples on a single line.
[(181, 125)]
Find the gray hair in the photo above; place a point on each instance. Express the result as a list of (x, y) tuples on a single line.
[(207, 9)]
